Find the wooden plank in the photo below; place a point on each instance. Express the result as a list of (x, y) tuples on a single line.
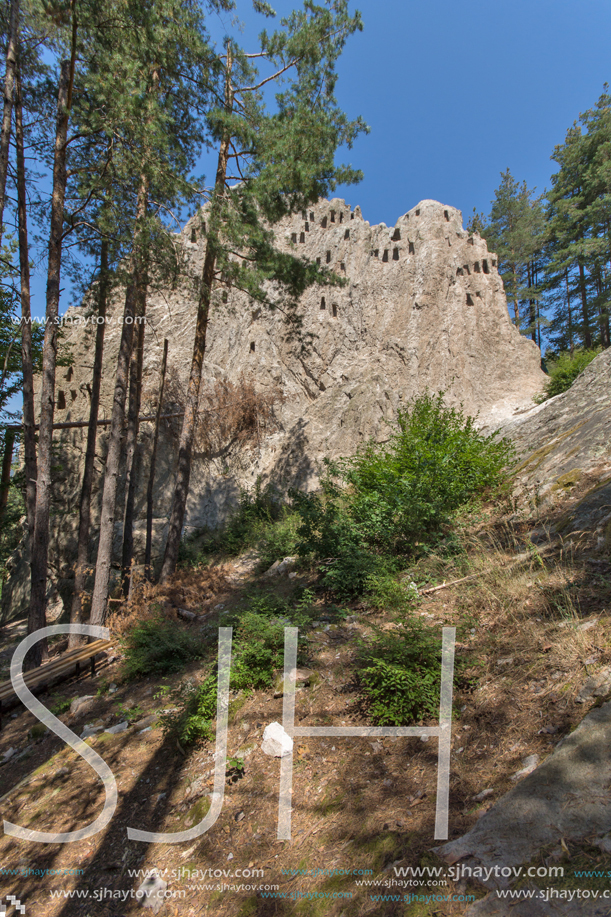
[(82, 653), (63, 664)]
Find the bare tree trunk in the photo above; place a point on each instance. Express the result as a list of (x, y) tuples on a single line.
[(99, 598), (587, 336), (82, 555), (603, 315), (185, 447), (9, 81), (149, 489), (516, 304), (131, 447), (7, 461), (532, 303), (570, 314), (29, 419), (40, 545)]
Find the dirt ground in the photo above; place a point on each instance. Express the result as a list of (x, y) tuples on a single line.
[(529, 633)]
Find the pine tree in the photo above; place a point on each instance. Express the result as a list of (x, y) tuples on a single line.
[(579, 220), (172, 69), (40, 545), (281, 162), (514, 231)]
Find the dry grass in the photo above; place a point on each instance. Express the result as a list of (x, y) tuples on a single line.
[(193, 590), (357, 803), (229, 414)]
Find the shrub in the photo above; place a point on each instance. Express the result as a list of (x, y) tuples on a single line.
[(159, 646), (193, 711), (390, 498), (434, 462), (400, 674), (279, 539), (384, 592), (563, 370), (257, 654), (260, 521)]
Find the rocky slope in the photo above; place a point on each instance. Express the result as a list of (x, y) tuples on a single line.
[(423, 307)]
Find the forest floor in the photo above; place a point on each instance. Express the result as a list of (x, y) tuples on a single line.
[(529, 634)]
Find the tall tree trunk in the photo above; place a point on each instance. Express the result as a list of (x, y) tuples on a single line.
[(604, 329), (40, 545), (587, 336), (7, 462), (82, 554), (131, 445), (185, 447), (516, 304), (99, 598), (532, 304), (603, 316), (570, 314), (9, 81), (151, 482), (29, 419)]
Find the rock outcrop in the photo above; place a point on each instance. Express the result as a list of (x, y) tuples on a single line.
[(566, 438), (423, 307)]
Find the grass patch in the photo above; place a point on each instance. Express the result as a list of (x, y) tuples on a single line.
[(159, 647)]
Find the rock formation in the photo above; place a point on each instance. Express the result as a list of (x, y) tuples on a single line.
[(566, 438), (423, 307)]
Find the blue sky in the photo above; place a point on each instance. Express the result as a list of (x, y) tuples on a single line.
[(455, 93)]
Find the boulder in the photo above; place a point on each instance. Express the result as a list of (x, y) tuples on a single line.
[(276, 742)]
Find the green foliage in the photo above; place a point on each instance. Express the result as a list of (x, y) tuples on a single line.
[(515, 232), (390, 499), (131, 714), (194, 710), (563, 371), (257, 654), (259, 651), (400, 674), (261, 521), (11, 530), (279, 539), (61, 706), (383, 591), (578, 214), (158, 647)]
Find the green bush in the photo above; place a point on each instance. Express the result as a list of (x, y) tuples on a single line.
[(158, 646), (279, 539), (193, 712), (392, 498), (257, 654), (383, 591), (563, 370), (260, 521), (400, 674)]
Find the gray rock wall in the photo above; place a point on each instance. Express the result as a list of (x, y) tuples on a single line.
[(423, 307)]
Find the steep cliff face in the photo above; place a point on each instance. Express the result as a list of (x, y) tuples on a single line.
[(423, 307)]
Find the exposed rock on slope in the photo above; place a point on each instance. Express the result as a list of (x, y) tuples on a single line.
[(423, 307), (567, 437)]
